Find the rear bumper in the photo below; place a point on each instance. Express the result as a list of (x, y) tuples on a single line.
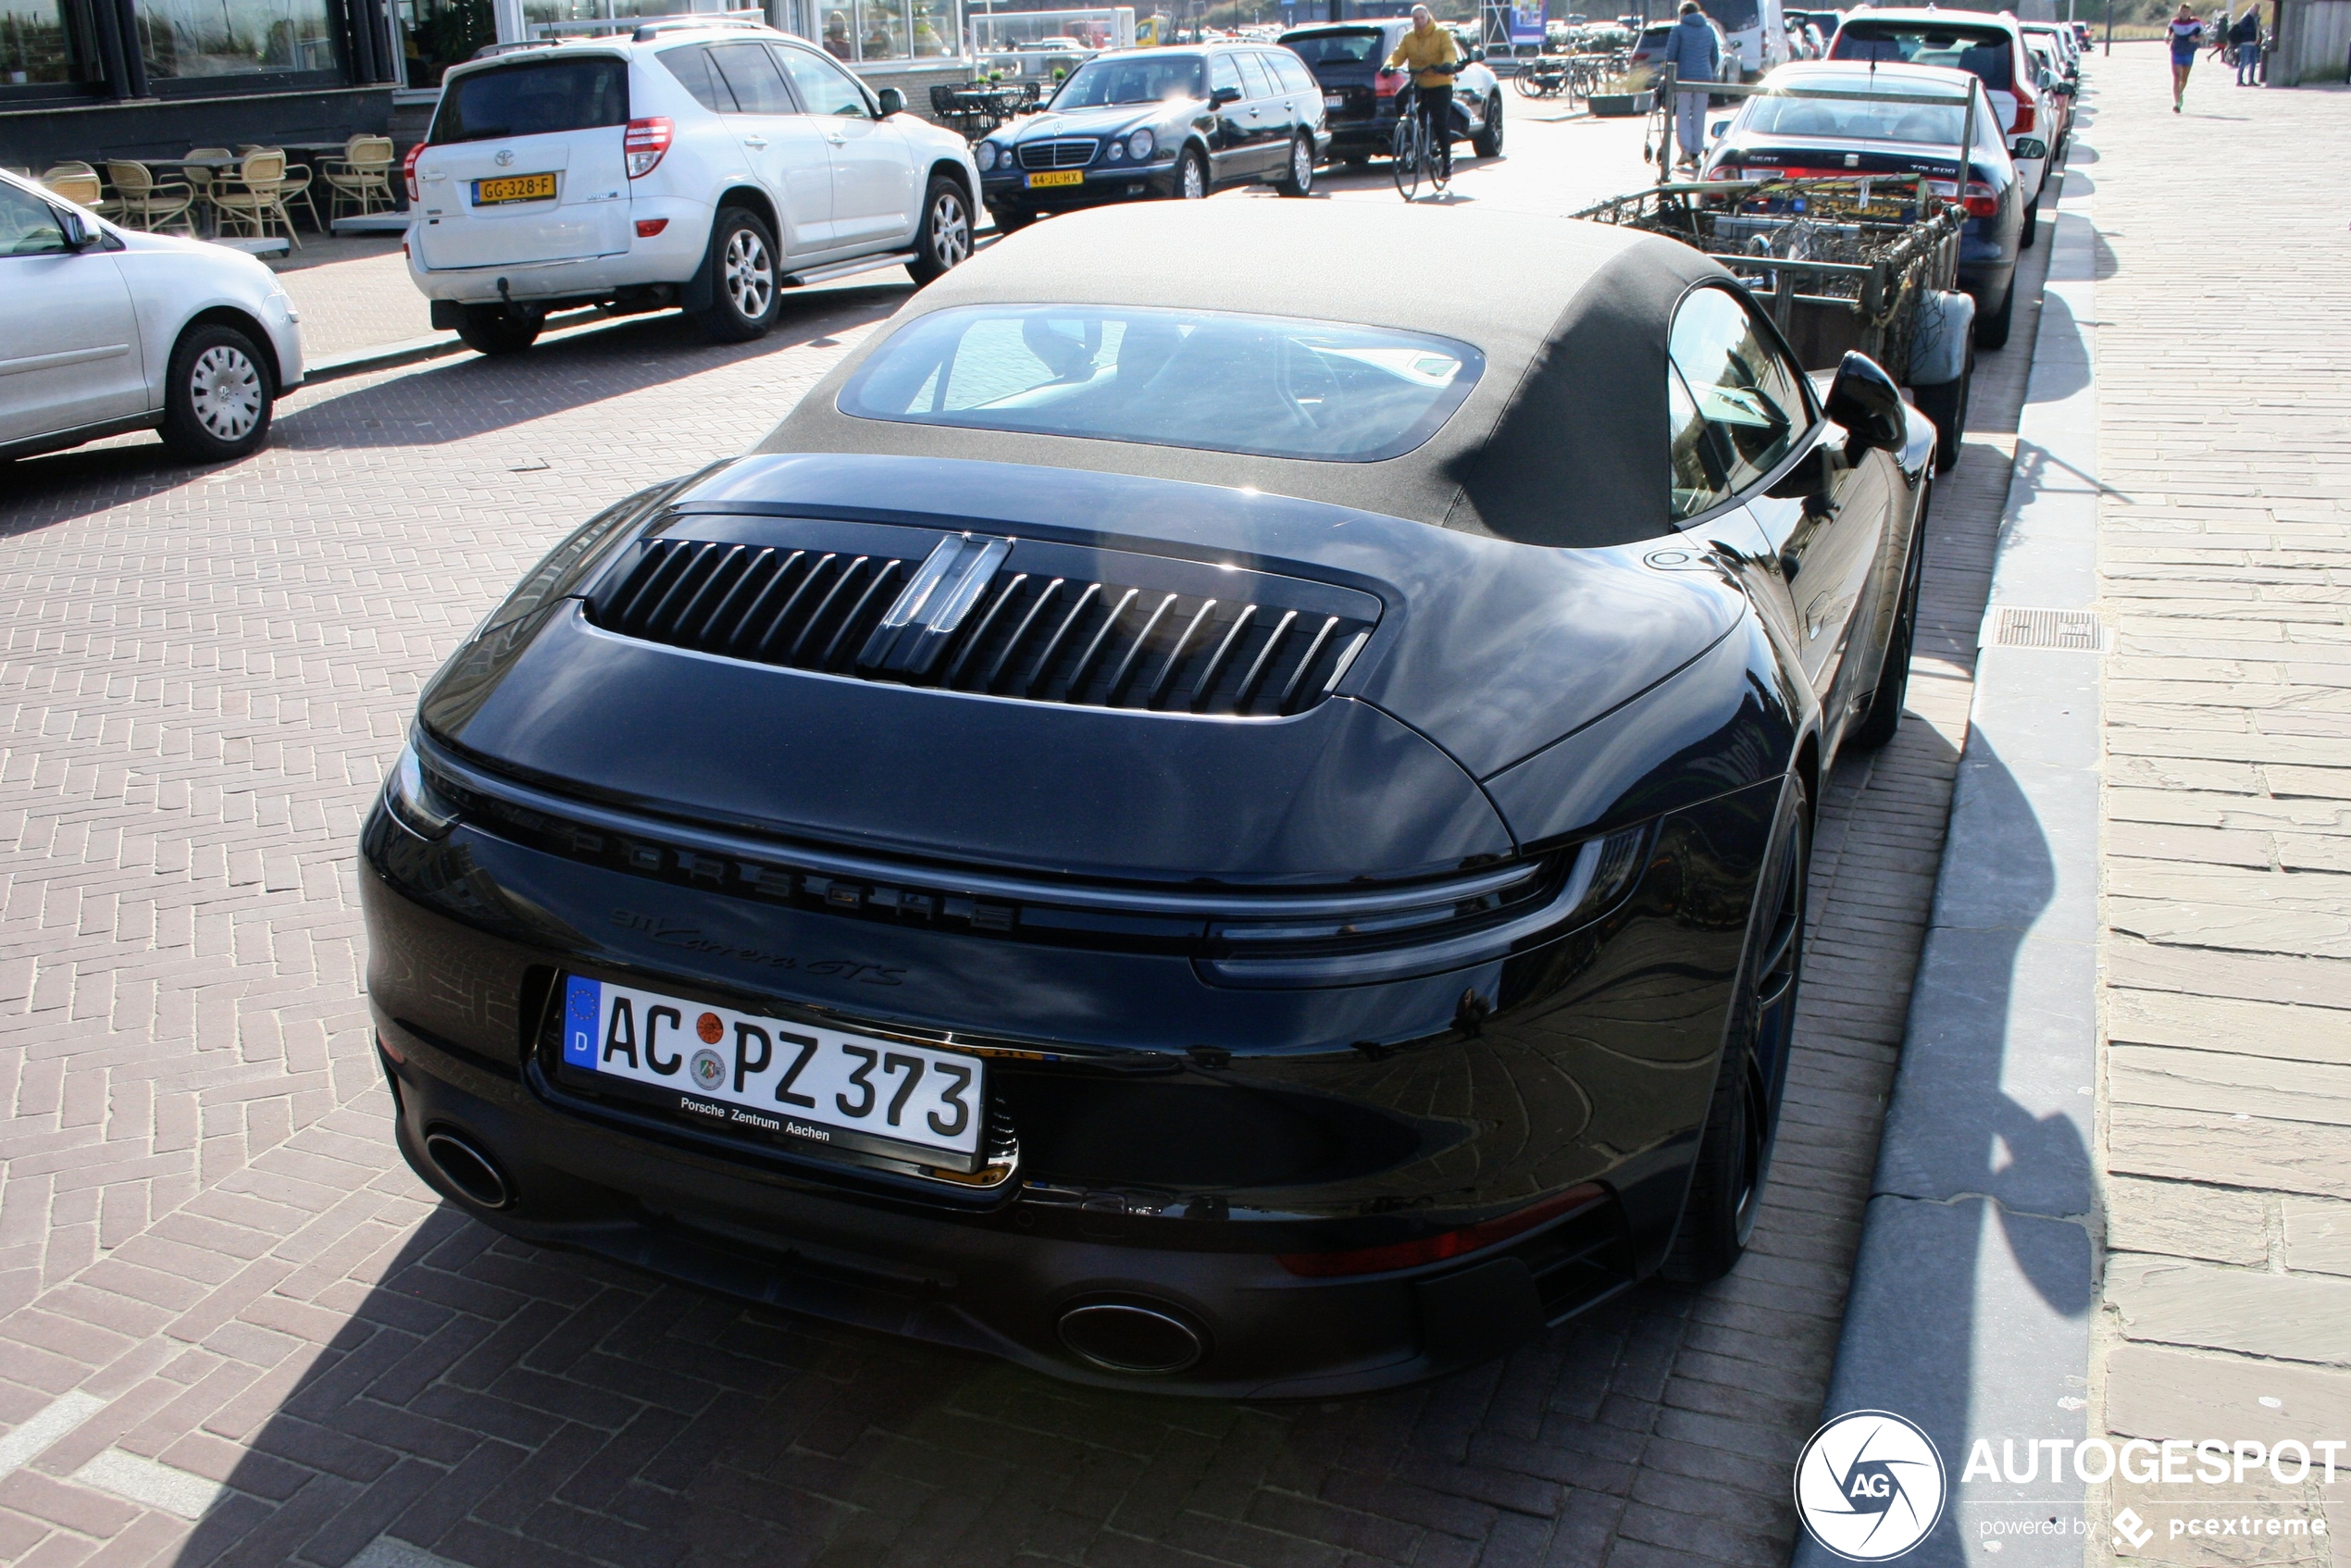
[(671, 256)]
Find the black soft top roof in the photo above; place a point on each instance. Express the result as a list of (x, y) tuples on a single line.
[(1562, 442)]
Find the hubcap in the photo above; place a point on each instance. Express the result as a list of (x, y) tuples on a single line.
[(1195, 183), (950, 231), (750, 280), (1302, 165), (226, 392)]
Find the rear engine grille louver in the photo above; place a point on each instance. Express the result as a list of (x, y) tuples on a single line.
[(1023, 620)]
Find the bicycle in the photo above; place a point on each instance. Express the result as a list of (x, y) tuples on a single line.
[(1411, 146)]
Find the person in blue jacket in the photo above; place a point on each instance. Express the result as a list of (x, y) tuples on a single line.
[(1695, 51)]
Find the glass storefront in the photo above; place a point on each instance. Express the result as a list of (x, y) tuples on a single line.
[(45, 43), (188, 40), (871, 31), (436, 34)]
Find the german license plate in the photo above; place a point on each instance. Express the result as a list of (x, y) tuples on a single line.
[(514, 187), (745, 1073), (1058, 177), (1333, 101)]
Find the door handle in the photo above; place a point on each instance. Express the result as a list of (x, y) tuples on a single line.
[(837, 140), (754, 141)]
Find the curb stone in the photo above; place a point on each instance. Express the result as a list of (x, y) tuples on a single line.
[(1973, 1293)]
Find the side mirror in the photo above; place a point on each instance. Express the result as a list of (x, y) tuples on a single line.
[(2029, 147), (1715, 133), (1223, 95), (893, 102), (78, 235), (1865, 401)]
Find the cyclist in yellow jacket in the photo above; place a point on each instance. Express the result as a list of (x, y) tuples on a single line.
[(1429, 53)]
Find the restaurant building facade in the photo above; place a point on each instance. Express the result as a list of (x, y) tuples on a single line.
[(98, 79)]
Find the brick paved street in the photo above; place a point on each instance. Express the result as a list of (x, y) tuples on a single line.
[(234, 1328), (2225, 540)]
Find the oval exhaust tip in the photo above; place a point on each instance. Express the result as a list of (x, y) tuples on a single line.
[(1139, 1340), (469, 1170)]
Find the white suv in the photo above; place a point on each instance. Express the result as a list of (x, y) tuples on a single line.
[(701, 164)]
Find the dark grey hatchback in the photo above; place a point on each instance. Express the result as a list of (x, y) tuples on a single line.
[(1157, 123)]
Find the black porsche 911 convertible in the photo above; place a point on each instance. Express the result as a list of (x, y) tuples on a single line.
[(1238, 829)]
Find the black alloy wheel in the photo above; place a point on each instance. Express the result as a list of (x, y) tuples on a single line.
[(1192, 176), (217, 401), (1300, 180), (744, 279), (1489, 140), (944, 241), (1894, 676), (1735, 1154), (1992, 331), (496, 329)]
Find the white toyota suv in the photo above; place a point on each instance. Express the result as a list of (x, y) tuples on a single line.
[(701, 164)]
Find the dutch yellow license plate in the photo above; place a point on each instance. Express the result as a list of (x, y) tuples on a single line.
[(1058, 177), (515, 188)]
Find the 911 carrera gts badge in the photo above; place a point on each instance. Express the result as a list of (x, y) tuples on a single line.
[(709, 1068)]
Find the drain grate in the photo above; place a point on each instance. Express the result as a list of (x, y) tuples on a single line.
[(2076, 630)]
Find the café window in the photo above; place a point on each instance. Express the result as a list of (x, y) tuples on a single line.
[(196, 43), (46, 48), (436, 34), (865, 32)]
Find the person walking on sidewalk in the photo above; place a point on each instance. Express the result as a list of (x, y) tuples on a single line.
[(1696, 54), (2246, 39), (2186, 32)]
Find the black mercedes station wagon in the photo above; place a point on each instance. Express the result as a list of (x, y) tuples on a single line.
[(1235, 830)]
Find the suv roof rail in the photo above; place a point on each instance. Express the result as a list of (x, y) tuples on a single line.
[(642, 28), (491, 51)]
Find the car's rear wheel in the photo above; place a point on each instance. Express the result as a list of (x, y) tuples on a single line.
[(2032, 225), (1992, 331), (494, 328), (1884, 716), (1945, 405), (945, 238), (218, 399), (742, 263), (1300, 180), (1191, 175), (1489, 140), (1734, 1154)]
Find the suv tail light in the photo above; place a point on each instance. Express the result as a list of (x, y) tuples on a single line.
[(647, 140), (409, 171), (2024, 116), (1387, 84)]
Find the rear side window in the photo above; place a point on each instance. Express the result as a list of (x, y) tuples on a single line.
[(1294, 74), (1338, 49), (1985, 51), (532, 99), (694, 72), (750, 71), (1255, 82)]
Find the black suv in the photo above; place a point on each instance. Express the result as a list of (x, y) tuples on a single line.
[(1144, 123), (1346, 58)]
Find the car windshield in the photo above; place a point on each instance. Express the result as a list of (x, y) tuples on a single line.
[(533, 99), (1800, 113), (1132, 80), (1265, 386), (1982, 52), (1354, 47)]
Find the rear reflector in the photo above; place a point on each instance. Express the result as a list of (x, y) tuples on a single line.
[(1445, 1244), (649, 226), (645, 143)]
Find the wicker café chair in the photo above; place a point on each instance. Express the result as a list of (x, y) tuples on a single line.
[(78, 184), (297, 189), (201, 177), (362, 175), (148, 202), (254, 197)]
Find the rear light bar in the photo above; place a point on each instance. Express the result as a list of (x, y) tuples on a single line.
[(645, 143), (1444, 1245), (409, 171)]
